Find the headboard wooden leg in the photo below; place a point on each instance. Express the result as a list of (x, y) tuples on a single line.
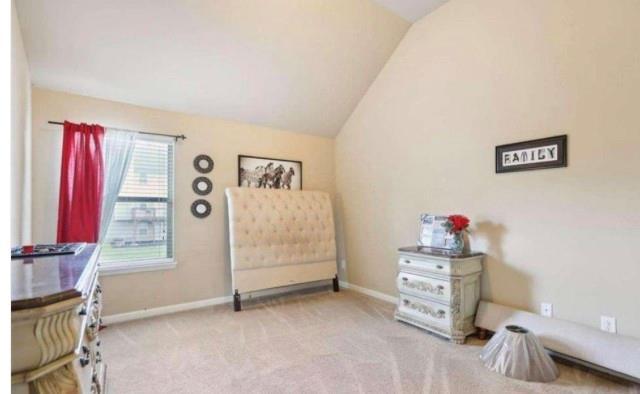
[(237, 304), (336, 284)]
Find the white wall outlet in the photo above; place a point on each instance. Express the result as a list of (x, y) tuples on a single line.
[(608, 324), (546, 309), (343, 264)]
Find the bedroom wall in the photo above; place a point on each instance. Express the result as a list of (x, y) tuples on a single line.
[(202, 271), (20, 137), (476, 74)]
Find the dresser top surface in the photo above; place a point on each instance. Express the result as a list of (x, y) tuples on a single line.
[(434, 252), (40, 281)]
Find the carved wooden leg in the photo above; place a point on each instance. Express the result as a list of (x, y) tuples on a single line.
[(237, 303), (482, 333), (336, 284)]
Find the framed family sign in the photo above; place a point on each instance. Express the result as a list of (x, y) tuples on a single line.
[(538, 154)]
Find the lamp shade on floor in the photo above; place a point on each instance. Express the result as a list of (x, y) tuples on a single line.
[(517, 353)]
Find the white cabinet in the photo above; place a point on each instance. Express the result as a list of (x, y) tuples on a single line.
[(439, 291)]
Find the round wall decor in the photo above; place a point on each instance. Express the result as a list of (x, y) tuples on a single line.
[(203, 163), (201, 208), (202, 185)]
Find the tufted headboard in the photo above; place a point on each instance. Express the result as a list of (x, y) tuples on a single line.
[(271, 228)]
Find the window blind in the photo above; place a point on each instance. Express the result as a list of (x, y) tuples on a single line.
[(141, 228)]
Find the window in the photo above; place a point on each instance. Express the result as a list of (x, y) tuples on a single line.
[(140, 234)]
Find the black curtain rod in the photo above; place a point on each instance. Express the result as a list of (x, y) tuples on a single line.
[(177, 137)]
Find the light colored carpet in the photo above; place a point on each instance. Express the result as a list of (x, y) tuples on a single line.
[(320, 342)]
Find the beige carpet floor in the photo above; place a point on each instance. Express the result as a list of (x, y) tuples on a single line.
[(320, 342)]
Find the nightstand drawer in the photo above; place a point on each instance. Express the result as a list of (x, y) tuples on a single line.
[(427, 265), (429, 311), (424, 286)]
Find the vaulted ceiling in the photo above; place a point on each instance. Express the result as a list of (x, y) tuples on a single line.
[(411, 10), (295, 65)]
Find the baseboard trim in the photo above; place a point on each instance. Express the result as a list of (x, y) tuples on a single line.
[(187, 306), (369, 292), (164, 310)]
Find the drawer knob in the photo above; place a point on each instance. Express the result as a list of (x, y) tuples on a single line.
[(407, 261), (405, 279), (440, 312), (440, 287), (406, 302), (84, 360), (439, 267), (83, 311)]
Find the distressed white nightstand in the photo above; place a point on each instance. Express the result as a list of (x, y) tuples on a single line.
[(439, 291)]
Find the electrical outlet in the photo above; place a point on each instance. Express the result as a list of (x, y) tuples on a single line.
[(343, 264), (608, 324), (546, 309)]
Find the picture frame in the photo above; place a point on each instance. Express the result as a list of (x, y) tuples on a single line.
[(432, 232), (269, 173), (543, 153)]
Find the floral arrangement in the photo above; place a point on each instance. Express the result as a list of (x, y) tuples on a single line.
[(457, 224)]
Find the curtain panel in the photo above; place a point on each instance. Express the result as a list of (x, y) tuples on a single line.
[(81, 183), (118, 151)]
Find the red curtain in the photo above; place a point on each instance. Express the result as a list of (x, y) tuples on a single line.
[(81, 180)]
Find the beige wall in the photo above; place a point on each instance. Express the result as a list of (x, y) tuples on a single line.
[(476, 74), (201, 247), (20, 137)]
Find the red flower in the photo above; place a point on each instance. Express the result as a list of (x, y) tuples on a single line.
[(458, 223)]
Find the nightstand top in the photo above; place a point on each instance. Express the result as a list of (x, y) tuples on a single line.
[(438, 252)]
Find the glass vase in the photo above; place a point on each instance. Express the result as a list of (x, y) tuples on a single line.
[(457, 244)]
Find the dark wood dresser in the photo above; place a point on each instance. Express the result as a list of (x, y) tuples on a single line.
[(56, 303)]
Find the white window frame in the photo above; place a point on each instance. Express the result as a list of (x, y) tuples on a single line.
[(129, 267)]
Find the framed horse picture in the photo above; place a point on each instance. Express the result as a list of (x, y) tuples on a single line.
[(268, 173)]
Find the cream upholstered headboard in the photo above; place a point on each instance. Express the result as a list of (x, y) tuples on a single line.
[(280, 237)]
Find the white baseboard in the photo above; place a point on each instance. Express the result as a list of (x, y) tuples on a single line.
[(187, 306), (369, 292), (164, 310), (168, 309)]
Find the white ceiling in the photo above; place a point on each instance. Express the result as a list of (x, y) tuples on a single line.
[(411, 10), (296, 65)]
